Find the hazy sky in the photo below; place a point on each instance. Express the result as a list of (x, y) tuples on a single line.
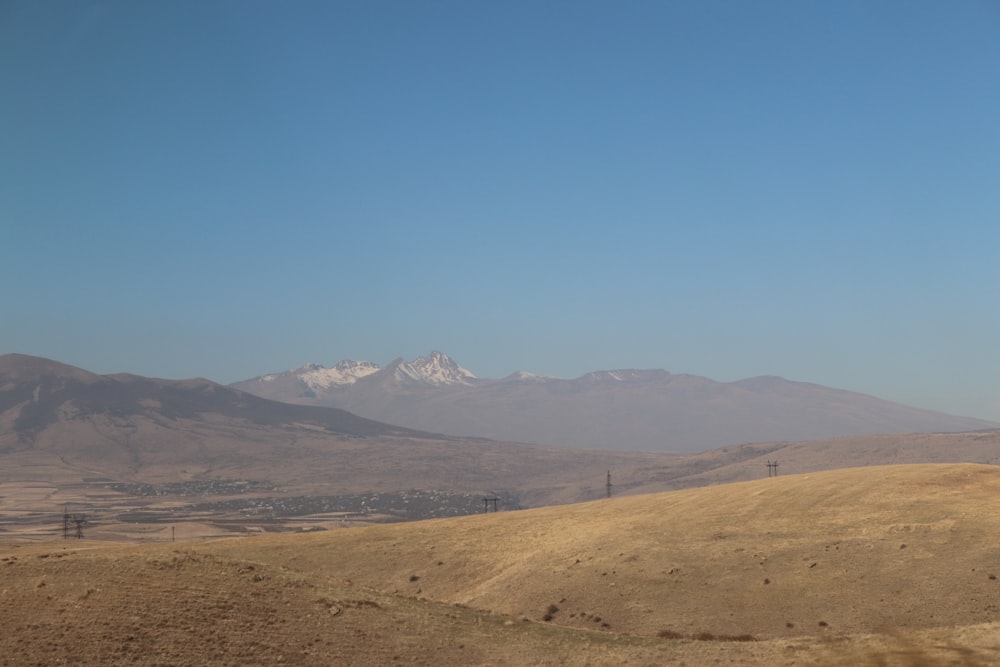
[(806, 189)]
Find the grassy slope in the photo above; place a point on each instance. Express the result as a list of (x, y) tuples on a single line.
[(155, 606), (857, 550), (773, 558)]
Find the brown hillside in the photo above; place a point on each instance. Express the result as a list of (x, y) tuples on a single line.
[(745, 462), (845, 551), (876, 566)]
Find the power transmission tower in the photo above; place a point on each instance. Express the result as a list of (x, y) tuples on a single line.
[(80, 520), (77, 520)]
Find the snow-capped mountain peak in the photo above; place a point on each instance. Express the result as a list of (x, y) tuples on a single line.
[(437, 369), (345, 372)]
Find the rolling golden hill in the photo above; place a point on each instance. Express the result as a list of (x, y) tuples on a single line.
[(879, 565)]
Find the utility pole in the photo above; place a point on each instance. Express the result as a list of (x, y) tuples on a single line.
[(772, 468), (80, 520), (608, 485)]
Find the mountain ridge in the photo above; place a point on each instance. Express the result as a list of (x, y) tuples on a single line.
[(61, 425), (626, 409), (43, 391)]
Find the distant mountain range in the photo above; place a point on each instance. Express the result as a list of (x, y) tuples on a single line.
[(63, 427), (66, 433), (637, 410)]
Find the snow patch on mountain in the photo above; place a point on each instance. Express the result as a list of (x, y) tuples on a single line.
[(345, 372), (435, 369), (630, 375), (527, 378)]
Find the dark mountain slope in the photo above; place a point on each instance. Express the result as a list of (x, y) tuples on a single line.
[(42, 392)]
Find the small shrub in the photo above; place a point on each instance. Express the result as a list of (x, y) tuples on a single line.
[(705, 636), (414, 577)]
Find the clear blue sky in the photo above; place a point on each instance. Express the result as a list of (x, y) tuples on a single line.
[(729, 189)]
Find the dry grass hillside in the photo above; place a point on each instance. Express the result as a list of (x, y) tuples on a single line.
[(892, 565), (745, 462)]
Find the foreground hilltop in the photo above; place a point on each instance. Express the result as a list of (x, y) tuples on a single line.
[(874, 566), (842, 551)]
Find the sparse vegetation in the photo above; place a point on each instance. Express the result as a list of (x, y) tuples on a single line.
[(339, 597), (706, 636)]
